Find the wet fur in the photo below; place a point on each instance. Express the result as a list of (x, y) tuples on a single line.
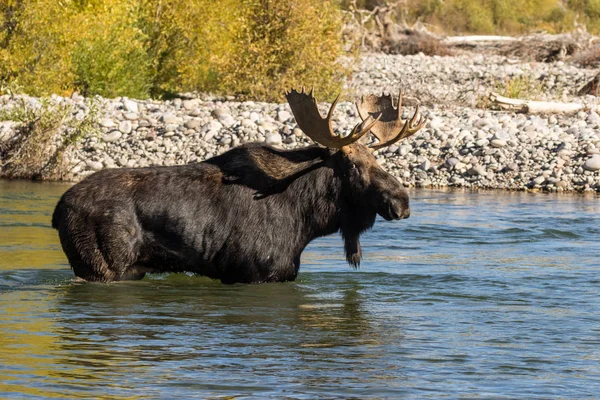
[(243, 216)]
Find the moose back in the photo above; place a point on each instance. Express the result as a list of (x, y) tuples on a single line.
[(243, 216)]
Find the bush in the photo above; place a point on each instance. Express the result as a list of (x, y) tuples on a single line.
[(46, 130), (280, 44), (252, 48)]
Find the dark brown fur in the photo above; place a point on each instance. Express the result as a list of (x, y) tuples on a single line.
[(243, 216)]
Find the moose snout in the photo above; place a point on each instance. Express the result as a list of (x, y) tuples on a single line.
[(406, 213), (396, 210), (399, 212)]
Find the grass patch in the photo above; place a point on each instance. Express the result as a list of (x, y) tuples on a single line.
[(519, 87)]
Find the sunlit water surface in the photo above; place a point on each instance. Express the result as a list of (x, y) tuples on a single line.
[(476, 295)]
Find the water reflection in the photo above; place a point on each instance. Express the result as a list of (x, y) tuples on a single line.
[(198, 326)]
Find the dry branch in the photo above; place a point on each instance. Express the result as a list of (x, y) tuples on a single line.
[(591, 88)]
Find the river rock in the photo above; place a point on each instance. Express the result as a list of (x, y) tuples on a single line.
[(227, 120), (125, 127), (498, 143), (112, 136), (94, 165), (107, 123), (592, 163), (273, 139), (130, 105), (193, 124), (169, 118), (283, 116)]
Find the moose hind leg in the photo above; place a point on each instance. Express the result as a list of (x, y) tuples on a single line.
[(119, 239), (101, 248), (79, 243)]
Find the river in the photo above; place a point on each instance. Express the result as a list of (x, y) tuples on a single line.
[(476, 295)]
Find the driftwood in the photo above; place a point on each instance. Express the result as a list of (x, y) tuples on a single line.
[(538, 47), (536, 107), (477, 39), (591, 88)]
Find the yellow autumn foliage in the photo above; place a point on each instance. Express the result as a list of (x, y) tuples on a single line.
[(141, 48)]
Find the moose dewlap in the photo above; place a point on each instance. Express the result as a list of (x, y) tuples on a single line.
[(245, 215)]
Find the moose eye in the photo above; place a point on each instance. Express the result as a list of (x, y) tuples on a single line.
[(354, 170)]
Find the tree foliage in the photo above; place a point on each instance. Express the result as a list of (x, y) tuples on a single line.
[(141, 48)]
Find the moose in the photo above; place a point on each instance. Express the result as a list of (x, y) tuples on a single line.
[(244, 216)]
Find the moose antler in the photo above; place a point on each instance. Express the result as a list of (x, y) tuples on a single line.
[(391, 128), (309, 119)]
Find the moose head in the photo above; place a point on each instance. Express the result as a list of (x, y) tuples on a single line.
[(367, 184)]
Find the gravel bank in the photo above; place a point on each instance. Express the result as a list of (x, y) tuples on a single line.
[(462, 146)]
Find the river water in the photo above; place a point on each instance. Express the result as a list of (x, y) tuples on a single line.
[(476, 295)]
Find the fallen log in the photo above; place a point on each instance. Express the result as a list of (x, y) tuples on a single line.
[(477, 39), (538, 107)]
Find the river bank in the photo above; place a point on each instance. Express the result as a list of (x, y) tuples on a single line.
[(465, 144)]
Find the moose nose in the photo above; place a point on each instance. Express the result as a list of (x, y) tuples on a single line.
[(406, 213)]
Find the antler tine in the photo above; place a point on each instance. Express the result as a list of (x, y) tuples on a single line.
[(319, 129), (407, 130), (399, 106), (332, 108), (391, 128)]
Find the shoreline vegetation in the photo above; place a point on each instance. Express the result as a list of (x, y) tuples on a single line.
[(80, 114)]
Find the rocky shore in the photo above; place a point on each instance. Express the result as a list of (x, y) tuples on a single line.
[(465, 144)]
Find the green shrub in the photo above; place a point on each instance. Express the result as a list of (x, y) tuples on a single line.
[(281, 44), (252, 48)]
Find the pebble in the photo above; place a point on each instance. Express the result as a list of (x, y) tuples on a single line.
[(227, 120), (131, 106), (125, 127), (273, 139), (169, 118), (107, 123), (283, 116), (498, 143), (592, 163), (193, 124), (111, 136)]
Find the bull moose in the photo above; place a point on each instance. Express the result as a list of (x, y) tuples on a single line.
[(245, 215)]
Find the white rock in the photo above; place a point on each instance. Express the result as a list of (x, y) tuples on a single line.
[(498, 143), (112, 136), (273, 139), (107, 123), (169, 118), (210, 134), (436, 123), (190, 104), (125, 127), (592, 163), (227, 120), (94, 165), (193, 123), (131, 106), (131, 116), (283, 116)]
